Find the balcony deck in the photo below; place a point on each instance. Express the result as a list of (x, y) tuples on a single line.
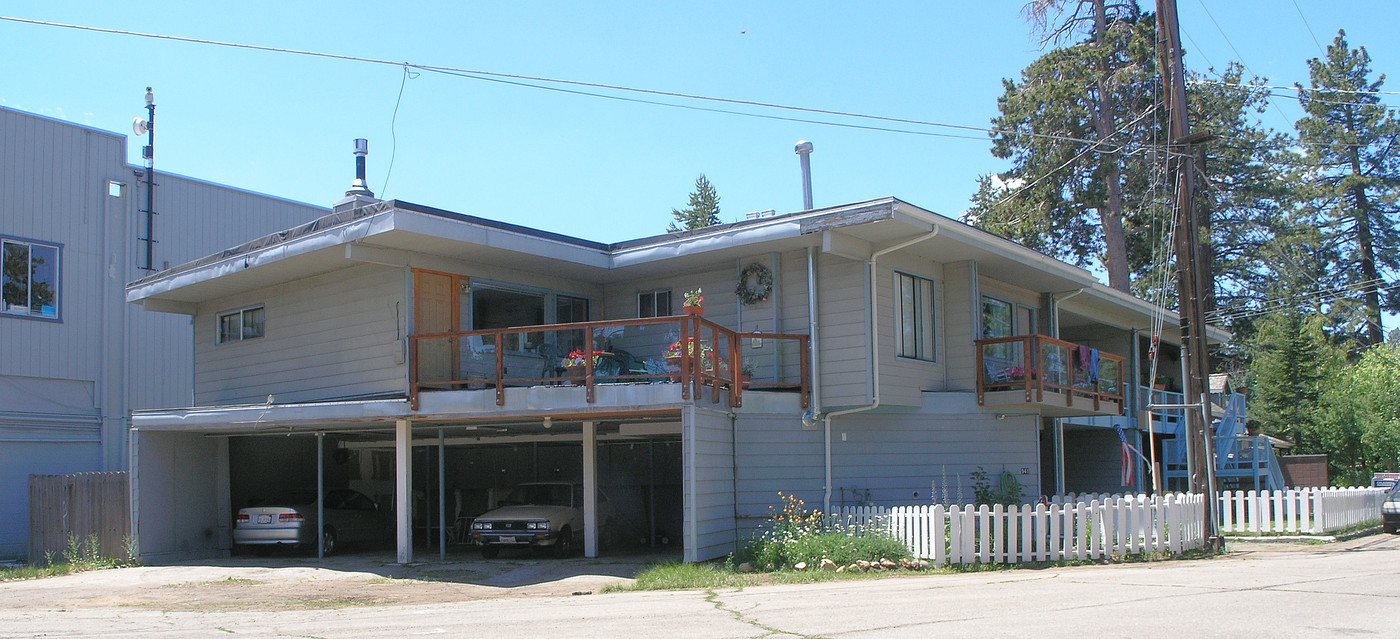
[(635, 364), (1057, 378)]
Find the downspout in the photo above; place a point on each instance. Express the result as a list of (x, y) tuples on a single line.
[(815, 353), (873, 307)]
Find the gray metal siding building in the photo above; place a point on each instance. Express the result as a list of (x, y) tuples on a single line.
[(70, 376)]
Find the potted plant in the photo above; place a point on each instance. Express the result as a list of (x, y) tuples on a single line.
[(693, 349), (576, 365), (746, 375), (694, 303), (1019, 372)]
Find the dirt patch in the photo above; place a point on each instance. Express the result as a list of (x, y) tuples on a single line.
[(294, 583)]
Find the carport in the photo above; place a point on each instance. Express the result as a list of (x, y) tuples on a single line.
[(193, 468)]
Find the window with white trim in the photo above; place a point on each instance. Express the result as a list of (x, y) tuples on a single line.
[(30, 282), (242, 324), (915, 317), (654, 303)]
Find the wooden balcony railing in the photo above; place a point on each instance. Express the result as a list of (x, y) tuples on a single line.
[(687, 350), (1038, 364)]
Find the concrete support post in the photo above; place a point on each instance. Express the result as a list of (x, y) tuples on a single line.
[(590, 490), (442, 495), (403, 489)]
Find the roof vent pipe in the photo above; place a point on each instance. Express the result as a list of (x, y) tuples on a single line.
[(359, 187), (804, 150)]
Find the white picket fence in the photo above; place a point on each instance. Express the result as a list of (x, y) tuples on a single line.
[(1299, 510), (1093, 529)]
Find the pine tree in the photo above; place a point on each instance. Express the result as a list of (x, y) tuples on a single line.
[(1292, 363), (1353, 168), (703, 210), (1090, 91)]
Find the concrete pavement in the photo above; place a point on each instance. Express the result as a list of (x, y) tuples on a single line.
[(1335, 590)]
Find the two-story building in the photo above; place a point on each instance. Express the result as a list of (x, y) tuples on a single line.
[(868, 353)]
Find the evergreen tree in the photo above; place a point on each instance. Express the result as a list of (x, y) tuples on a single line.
[(703, 210), (1090, 91), (1292, 363), (1352, 164)]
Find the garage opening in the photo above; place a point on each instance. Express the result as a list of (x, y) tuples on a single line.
[(639, 480)]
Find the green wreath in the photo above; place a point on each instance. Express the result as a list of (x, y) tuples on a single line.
[(763, 284)]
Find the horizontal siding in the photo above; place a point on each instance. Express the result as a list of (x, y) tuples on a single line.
[(901, 379), (329, 336), (844, 337), (893, 456), (960, 326), (896, 456)]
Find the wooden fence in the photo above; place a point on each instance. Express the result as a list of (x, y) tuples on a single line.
[(80, 506), (1299, 510), (1093, 529)]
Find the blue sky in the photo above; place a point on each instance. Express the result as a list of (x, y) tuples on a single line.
[(595, 168)]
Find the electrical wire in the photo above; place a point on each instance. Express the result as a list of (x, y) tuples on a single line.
[(393, 133), (1308, 27), (524, 81)]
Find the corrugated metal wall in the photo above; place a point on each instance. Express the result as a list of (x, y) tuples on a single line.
[(57, 180)]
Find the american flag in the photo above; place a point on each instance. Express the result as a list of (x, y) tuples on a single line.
[(1127, 454)]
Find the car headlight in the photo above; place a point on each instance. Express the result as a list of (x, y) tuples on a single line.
[(537, 525), (481, 525)]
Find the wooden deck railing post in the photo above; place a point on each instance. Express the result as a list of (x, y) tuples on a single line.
[(500, 367), (588, 367)]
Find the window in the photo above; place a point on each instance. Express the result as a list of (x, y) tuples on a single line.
[(493, 307), (567, 310), (30, 282), (236, 326), (654, 304), (996, 318), (997, 321), (915, 317)]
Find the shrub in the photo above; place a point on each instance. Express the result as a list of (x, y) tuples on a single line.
[(797, 534)]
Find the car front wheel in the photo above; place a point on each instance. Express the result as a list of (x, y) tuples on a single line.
[(328, 542), (565, 545)]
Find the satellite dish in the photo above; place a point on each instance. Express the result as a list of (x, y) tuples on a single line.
[(140, 126)]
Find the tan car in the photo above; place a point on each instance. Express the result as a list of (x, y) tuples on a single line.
[(538, 515)]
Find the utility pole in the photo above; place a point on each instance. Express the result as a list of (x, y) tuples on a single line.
[(1189, 275)]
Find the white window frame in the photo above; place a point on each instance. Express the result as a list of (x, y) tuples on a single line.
[(924, 315), (27, 311), (242, 315)]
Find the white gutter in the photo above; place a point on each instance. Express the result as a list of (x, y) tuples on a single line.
[(873, 308)]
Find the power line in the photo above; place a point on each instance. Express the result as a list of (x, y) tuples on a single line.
[(1296, 88), (1308, 27), (525, 80)]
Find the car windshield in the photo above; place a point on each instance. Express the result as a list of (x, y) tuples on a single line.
[(1394, 494), (539, 495), (290, 498)]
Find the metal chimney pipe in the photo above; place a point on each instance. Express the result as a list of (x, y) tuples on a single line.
[(360, 187), (804, 150), (361, 150)]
